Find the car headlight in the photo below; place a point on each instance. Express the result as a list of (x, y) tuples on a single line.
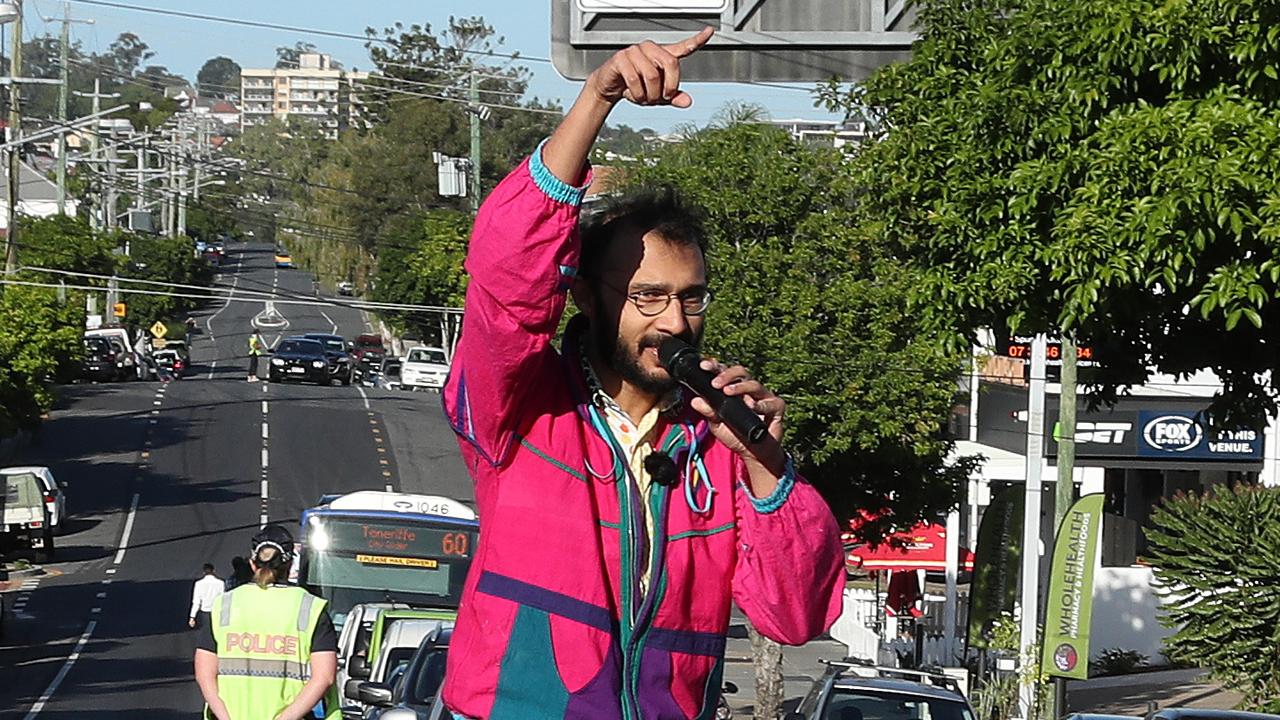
[(277, 361), (317, 364)]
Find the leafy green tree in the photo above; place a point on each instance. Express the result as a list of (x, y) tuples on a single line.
[(39, 335), (1215, 562), (1106, 168), (163, 259), (219, 76)]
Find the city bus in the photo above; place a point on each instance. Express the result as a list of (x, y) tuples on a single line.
[(385, 547)]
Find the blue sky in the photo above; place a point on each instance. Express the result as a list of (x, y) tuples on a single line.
[(183, 45)]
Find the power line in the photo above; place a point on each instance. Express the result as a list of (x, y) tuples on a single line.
[(241, 22)]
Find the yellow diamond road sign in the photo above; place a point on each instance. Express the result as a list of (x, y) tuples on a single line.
[(159, 329)]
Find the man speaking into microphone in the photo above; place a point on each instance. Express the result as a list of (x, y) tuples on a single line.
[(620, 512)]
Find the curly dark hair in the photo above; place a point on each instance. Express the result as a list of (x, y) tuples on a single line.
[(659, 209)]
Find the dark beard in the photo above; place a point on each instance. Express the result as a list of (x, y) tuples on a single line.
[(626, 361)]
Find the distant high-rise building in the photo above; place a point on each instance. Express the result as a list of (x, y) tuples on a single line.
[(315, 90)]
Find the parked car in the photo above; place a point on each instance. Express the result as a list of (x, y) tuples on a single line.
[(101, 362), (410, 697), (297, 358), (26, 522), (346, 288), (424, 367), (355, 636), (283, 259), (55, 499), (855, 690), (119, 338), (341, 364)]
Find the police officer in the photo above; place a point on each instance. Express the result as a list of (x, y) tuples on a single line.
[(269, 651), (257, 346)]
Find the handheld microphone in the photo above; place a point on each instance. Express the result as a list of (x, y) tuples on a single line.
[(684, 363)]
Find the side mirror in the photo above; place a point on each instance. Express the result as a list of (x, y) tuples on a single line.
[(730, 688), (358, 667), (351, 690), (375, 694)]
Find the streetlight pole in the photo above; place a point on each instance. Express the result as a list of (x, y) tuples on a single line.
[(63, 90)]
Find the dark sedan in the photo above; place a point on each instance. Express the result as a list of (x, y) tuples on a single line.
[(341, 364), (101, 363), (299, 359)]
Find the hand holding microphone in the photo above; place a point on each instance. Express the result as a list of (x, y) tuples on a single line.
[(685, 365)]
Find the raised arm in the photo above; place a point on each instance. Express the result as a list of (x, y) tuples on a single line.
[(524, 250)]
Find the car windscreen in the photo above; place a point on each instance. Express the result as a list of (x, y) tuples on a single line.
[(23, 490), (337, 345), (96, 345), (868, 704), (301, 347), (421, 355)]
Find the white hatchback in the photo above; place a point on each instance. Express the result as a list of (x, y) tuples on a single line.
[(424, 367)]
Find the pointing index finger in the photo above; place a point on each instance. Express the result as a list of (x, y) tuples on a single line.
[(687, 47)]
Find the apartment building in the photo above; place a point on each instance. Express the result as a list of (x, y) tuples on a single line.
[(315, 90)]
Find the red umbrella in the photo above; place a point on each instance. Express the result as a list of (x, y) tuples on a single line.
[(923, 547)]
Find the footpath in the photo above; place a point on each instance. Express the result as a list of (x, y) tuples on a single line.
[(1130, 694)]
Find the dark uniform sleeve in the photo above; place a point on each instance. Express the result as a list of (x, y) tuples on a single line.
[(324, 638), (205, 639)]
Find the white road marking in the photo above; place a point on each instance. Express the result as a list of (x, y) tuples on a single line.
[(95, 610), (263, 519), (264, 407), (331, 322), (208, 322), (101, 595), (62, 674), (111, 571), (264, 428), (157, 402), (264, 489), (212, 366), (389, 488), (264, 458), (366, 397), (128, 529)]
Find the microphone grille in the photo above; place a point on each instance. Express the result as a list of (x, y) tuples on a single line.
[(670, 350)]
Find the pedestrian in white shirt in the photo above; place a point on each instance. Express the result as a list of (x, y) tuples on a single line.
[(202, 595)]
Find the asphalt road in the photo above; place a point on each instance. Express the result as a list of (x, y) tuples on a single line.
[(165, 478)]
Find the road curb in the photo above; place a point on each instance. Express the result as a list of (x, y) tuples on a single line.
[(32, 571)]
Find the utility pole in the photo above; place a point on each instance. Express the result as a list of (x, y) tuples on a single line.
[(62, 99), (97, 96), (475, 141), (15, 134), (1064, 493)]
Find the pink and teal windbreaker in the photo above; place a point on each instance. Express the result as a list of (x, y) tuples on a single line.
[(554, 621)]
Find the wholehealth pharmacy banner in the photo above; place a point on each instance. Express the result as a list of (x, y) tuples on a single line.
[(1070, 603)]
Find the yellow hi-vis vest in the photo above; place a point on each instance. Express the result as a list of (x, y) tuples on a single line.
[(264, 649), (255, 345)]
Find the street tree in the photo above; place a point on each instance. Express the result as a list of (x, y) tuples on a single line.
[(219, 76), (1105, 168)]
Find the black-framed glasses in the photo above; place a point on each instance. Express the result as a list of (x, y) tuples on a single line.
[(651, 303)]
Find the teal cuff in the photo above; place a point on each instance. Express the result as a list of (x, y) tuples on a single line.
[(552, 186), (780, 493)]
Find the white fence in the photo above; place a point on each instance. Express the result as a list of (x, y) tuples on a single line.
[(868, 633)]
